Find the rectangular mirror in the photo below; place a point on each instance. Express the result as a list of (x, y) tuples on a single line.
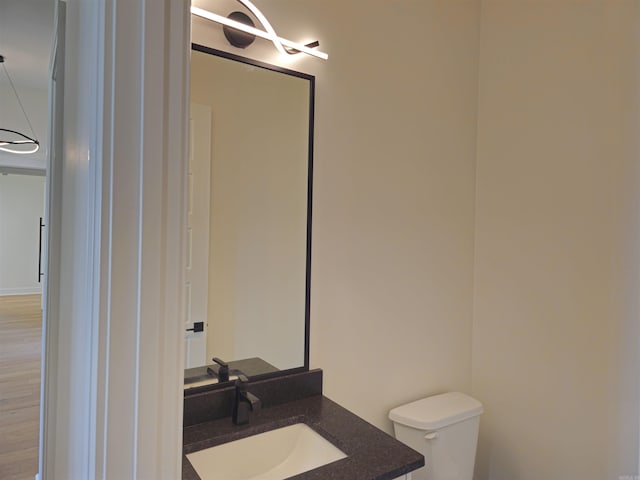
[(249, 218)]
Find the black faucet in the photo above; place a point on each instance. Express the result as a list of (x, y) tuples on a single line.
[(223, 370), (243, 402)]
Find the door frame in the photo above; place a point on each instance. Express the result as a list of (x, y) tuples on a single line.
[(113, 352), (53, 204)]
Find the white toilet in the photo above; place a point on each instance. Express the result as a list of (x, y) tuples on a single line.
[(444, 428)]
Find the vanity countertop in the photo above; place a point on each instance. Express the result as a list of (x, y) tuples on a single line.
[(371, 453)]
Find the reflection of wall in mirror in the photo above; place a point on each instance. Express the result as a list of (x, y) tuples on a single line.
[(257, 262)]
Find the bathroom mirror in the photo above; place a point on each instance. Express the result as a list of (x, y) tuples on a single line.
[(249, 218)]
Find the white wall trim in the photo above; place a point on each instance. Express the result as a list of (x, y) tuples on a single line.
[(19, 291), (139, 371), (51, 280)]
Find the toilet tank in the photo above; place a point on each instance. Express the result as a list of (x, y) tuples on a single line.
[(444, 428)]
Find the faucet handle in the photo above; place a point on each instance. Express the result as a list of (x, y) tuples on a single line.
[(254, 402), (223, 369)]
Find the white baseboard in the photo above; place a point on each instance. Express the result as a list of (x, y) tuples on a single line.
[(20, 291)]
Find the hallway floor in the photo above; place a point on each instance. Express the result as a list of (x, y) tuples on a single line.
[(20, 352)]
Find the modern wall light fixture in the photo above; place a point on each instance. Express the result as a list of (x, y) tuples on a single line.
[(12, 141), (239, 21)]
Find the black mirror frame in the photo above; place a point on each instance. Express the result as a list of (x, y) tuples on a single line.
[(312, 81)]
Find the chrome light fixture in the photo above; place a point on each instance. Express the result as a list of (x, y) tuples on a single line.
[(13, 141), (284, 46)]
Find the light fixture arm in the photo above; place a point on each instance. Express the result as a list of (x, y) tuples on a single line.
[(273, 36), (284, 46)]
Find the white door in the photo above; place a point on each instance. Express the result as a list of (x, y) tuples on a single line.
[(197, 274)]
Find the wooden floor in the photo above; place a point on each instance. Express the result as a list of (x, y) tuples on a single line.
[(20, 350)]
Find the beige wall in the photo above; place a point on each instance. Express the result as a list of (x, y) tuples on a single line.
[(394, 201), (555, 338)]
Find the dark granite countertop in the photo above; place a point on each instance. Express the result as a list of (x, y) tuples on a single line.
[(371, 453)]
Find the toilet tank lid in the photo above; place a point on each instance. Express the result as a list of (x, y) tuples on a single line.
[(436, 412)]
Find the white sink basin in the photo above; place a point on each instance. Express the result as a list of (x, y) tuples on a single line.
[(272, 455)]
